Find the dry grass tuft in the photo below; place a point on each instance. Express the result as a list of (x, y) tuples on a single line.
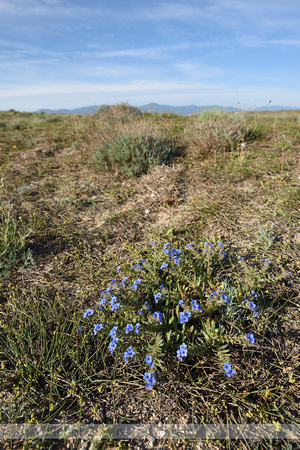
[(213, 134)]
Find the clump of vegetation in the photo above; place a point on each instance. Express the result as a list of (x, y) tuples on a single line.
[(132, 155), (215, 132), (170, 311), (122, 112)]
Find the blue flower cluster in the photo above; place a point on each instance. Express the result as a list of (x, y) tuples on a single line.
[(184, 317), (158, 315), (251, 338), (128, 328), (129, 354), (149, 361), (136, 283), (115, 302), (196, 306), (228, 370), (182, 352), (173, 254), (150, 379)]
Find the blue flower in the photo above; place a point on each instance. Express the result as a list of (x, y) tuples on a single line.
[(128, 328), (118, 268), (253, 306), (79, 330), (224, 253), (254, 293), (182, 352), (143, 261), (166, 251), (180, 302), (267, 261), (140, 312), (102, 301), (129, 354), (149, 361), (113, 303), (153, 243), (160, 287), (97, 328), (215, 293), (158, 315), (113, 332), (184, 316), (211, 378), (229, 371), (196, 306), (137, 328), (251, 338), (88, 312), (220, 243), (150, 379), (115, 306), (291, 274), (225, 298), (227, 367), (177, 260), (164, 265), (241, 258), (167, 244), (112, 346), (123, 281), (189, 245), (157, 296), (113, 281)]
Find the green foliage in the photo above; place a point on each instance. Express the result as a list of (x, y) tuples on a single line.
[(132, 155), (13, 234), (265, 237), (41, 341), (213, 114)]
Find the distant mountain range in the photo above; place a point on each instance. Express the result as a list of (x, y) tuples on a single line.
[(155, 107)]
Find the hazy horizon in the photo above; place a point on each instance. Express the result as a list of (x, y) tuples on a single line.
[(68, 54)]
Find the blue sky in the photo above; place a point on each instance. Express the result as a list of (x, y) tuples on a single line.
[(73, 53)]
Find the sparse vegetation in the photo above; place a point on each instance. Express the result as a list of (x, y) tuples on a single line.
[(91, 308)]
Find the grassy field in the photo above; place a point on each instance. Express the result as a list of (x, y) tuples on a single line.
[(108, 313)]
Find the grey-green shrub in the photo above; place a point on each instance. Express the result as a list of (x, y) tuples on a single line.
[(133, 155)]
